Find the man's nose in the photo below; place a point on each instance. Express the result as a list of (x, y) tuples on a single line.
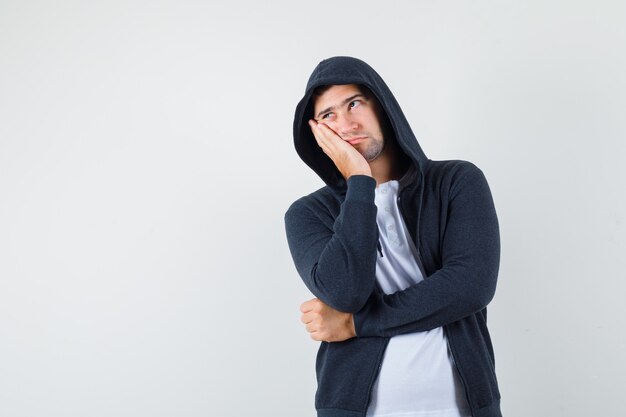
[(347, 125)]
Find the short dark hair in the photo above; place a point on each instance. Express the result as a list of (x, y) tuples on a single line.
[(321, 89)]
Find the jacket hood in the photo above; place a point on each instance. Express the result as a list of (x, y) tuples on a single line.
[(348, 70)]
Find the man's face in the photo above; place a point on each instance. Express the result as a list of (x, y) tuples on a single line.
[(352, 116)]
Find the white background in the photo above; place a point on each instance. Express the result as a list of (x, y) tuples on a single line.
[(146, 162)]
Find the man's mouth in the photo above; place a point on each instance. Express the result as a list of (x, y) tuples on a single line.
[(357, 140)]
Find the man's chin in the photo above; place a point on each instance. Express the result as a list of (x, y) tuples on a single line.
[(371, 156)]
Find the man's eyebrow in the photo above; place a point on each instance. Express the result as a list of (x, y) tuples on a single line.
[(346, 101)]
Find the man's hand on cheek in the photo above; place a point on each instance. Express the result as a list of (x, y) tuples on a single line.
[(346, 158)]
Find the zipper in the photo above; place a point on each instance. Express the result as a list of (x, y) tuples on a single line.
[(467, 398), (380, 365), (406, 223), (420, 263), (378, 245)]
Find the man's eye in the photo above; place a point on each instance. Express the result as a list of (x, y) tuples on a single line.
[(326, 116), (355, 103)]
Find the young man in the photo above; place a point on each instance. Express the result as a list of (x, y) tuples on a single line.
[(401, 253)]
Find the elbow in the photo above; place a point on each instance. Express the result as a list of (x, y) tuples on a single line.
[(343, 292), (347, 300), (352, 303), (483, 293), (485, 278)]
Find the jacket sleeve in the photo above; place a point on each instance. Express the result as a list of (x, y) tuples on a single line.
[(466, 282), (337, 265)]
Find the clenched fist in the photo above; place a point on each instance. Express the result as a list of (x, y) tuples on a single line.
[(325, 323)]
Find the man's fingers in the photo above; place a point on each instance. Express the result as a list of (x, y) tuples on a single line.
[(326, 130), (306, 318), (324, 134), (307, 305), (330, 137), (320, 137)]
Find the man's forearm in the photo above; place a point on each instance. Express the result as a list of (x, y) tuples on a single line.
[(465, 283), (338, 265)]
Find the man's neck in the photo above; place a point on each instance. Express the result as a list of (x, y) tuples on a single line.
[(388, 166)]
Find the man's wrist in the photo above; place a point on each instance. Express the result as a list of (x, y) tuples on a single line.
[(369, 174), (352, 328)]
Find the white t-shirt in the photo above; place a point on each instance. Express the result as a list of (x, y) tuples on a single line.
[(417, 376)]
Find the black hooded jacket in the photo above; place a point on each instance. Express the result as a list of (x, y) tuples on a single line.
[(333, 239)]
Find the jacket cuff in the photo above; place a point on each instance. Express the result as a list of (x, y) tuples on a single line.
[(361, 188), (365, 325)]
